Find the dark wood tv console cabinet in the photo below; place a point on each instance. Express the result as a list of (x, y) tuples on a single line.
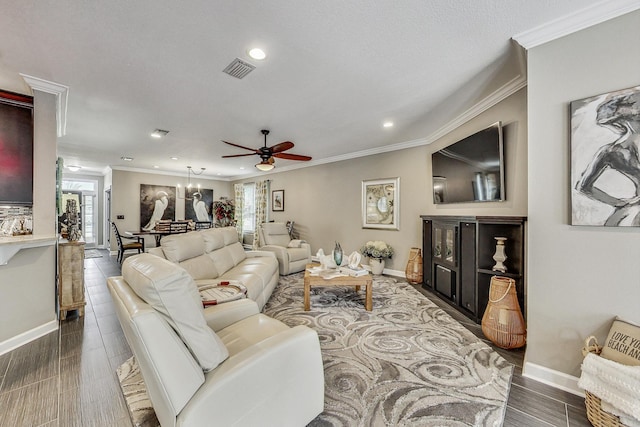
[(458, 258)]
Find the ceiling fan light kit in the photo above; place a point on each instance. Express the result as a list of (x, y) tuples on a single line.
[(267, 154), (265, 166)]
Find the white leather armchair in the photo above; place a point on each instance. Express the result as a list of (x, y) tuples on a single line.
[(292, 257), (262, 372)]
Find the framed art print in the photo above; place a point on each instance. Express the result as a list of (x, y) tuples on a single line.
[(277, 200), (605, 159), (381, 203)]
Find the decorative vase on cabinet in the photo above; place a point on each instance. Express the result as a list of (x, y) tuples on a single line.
[(500, 257)]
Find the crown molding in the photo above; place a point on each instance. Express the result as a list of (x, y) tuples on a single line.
[(60, 91), (499, 95), (576, 21)]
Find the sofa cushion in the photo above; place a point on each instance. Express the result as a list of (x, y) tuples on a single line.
[(222, 259), (275, 233), (183, 246), (237, 253), (213, 239), (200, 267), (230, 235), (172, 292)]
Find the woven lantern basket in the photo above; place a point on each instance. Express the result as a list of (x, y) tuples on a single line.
[(596, 416), (413, 272), (503, 323)]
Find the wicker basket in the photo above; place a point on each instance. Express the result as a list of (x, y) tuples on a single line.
[(503, 323), (596, 416), (413, 272)]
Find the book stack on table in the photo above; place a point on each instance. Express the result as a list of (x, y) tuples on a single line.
[(354, 271)]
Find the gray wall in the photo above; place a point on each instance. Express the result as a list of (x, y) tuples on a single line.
[(125, 197), (325, 200), (27, 282), (579, 277)]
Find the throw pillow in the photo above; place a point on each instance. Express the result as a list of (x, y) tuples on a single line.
[(623, 343), (171, 291)]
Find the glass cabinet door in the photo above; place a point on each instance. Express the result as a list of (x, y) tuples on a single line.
[(449, 245), (437, 243), (444, 242)]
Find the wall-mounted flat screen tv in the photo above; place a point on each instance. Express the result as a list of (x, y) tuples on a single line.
[(16, 149), (470, 170)]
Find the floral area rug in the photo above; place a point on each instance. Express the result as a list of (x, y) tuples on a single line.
[(406, 363)]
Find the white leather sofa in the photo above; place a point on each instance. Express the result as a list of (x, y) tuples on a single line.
[(224, 365), (292, 255), (216, 254)]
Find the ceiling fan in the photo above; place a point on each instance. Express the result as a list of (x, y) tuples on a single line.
[(267, 154)]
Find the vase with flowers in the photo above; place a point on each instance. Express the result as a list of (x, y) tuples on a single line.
[(377, 251), (224, 212)]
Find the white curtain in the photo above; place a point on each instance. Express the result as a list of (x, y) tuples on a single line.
[(262, 206), (239, 202)]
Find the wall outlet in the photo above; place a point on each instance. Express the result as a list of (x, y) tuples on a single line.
[(120, 217)]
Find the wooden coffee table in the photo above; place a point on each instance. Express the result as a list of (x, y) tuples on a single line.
[(357, 282)]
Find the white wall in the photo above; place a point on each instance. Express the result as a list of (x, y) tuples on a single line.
[(325, 200), (579, 277), (27, 282), (125, 197)]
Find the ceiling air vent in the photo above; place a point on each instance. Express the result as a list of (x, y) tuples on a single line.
[(239, 68)]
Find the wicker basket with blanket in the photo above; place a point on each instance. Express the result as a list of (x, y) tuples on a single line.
[(611, 389)]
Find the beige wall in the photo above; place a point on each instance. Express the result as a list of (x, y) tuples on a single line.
[(27, 282), (579, 277), (325, 200), (125, 197)]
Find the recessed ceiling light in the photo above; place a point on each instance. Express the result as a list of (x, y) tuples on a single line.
[(241, 168), (159, 133), (126, 159), (74, 168), (173, 158), (257, 53), (387, 124), (156, 167)]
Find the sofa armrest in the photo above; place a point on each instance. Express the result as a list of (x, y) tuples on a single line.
[(307, 246), (279, 251), (280, 381), (220, 316), (261, 253)]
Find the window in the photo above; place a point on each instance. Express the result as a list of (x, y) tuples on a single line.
[(249, 208)]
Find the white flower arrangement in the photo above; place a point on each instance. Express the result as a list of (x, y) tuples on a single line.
[(377, 249)]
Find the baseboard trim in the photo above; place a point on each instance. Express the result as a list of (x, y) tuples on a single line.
[(28, 336), (551, 377)]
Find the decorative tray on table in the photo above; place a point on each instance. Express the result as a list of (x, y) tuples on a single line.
[(223, 291)]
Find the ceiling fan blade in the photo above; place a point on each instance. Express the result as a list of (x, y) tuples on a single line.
[(240, 155), (288, 156), (283, 146), (240, 146)]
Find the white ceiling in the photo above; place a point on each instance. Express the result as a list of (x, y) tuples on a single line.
[(335, 71)]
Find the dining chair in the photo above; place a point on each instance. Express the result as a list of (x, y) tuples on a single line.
[(122, 247)]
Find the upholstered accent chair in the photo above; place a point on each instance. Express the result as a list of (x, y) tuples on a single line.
[(292, 255)]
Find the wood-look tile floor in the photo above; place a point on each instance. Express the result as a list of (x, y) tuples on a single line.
[(67, 378)]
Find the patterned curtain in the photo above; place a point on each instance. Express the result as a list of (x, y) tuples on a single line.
[(261, 209), (239, 201)]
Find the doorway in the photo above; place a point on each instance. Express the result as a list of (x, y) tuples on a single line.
[(85, 190)]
